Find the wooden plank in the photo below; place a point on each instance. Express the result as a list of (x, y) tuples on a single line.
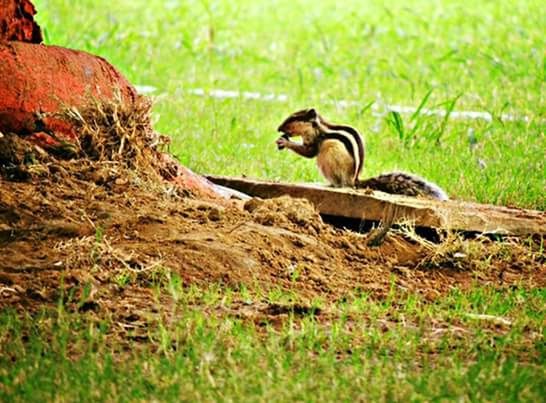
[(376, 206)]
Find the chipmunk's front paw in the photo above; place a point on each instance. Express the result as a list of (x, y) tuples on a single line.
[(282, 142)]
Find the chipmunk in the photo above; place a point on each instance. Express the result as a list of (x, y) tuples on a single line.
[(340, 156)]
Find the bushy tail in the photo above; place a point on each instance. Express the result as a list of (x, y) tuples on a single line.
[(403, 184)]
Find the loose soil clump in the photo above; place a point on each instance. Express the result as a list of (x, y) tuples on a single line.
[(98, 226)]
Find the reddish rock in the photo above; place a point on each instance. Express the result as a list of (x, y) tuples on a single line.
[(17, 22), (38, 79)]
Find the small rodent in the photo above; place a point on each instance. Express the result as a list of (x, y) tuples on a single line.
[(340, 156)]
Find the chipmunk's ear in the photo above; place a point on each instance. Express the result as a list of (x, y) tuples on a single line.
[(312, 114)]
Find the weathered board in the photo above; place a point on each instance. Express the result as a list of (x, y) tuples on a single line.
[(377, 206)]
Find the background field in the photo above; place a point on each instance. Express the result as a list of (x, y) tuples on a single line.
[(487, 57), (484, 343)]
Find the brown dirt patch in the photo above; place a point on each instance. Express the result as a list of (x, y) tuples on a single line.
[(100, 227)]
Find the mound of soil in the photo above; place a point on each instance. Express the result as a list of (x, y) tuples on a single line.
[(17, 22), (99, 227)]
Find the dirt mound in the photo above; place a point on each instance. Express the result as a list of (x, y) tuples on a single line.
[(17, 22), (98, 227)]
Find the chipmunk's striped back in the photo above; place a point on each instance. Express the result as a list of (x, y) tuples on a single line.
[(352, 136), (351, 139)]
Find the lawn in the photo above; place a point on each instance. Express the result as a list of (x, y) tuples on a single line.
[(402, 349), (481, 343), (488, 59)]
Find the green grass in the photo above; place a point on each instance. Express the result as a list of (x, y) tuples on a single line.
[(399, 349), (486, 58)]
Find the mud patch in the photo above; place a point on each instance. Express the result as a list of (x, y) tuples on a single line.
[(101, 231)]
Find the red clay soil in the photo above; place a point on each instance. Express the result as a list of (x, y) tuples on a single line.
[(37, 81), (17, 22), (100, 229)]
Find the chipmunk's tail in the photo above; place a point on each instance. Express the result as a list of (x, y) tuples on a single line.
[(403, 184)]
